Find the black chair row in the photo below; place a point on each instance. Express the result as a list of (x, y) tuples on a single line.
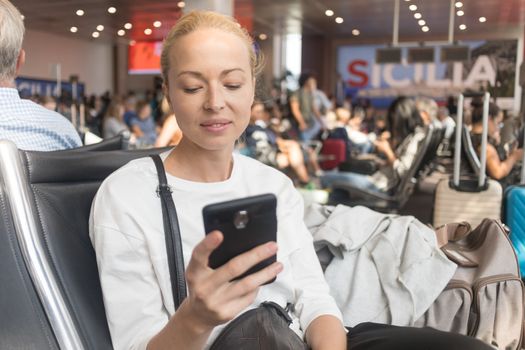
[(347, 193), (51, 296)]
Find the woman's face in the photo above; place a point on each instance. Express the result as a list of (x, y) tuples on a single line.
[(494, 126), (211, 88)]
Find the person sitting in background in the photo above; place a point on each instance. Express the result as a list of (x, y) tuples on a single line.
[(267, 147), (409, 120), (143, 126), (447, 122), (170, 134), (500, 163), (113, 123), (49, 102), (130, 109), (29, 125)]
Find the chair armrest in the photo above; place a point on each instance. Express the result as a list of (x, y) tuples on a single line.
[(360, 166), (361, 193)]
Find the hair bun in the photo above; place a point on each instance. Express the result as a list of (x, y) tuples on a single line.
[(476, 102)]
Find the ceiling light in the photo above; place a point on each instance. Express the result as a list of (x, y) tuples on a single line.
[(121, 32), (482, 19), (355, 32), (112, 9), (329, 13), (148, 31), (425, 29), (421, 22), (460, 13), (417, 15), (412, 7), (157, 24), (459, 4), (339, 20), (95, 34), (263, 36), (407, 0), (128, 26), (73, 29), (462, 27), (80, 12), (100, 27), (132, 42), (23, 17), (181, 4)]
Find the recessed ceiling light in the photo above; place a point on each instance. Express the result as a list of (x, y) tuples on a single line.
[(128, 26), (421, 22), (23, 17), (95, 34), (462, 27), (412, 7), (459, 4), (407, 0), (181, 4), (339, 20), (329, 13), (80, 12), (425, 29), (355, 32), (100, 27), (148, 31), (132, 42), (157, 24), (73, 29), (121, 32), (482, 19), (460, 13), (417, 15), (263, 36), (112, 9)]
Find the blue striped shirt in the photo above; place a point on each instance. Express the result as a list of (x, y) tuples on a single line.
[(33, 127)]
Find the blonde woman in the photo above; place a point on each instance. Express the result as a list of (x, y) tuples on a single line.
[(210, 68)]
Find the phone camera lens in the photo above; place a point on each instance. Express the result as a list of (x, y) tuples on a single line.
[(241, 219)]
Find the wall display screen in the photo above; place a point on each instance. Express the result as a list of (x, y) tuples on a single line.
[(144, 57), (491, 65)]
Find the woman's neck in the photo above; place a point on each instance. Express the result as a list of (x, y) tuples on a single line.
[(198, 165)]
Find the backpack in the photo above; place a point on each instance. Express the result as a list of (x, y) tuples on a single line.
[(484, 298)]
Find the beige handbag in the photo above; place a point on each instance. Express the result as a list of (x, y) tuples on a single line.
[(484, 298)]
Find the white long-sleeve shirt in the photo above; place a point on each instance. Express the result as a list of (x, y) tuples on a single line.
[(127, 233)]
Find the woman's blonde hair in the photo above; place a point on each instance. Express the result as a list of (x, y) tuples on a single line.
[(208, 19)]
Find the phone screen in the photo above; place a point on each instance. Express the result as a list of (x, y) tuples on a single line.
[(245, 223)]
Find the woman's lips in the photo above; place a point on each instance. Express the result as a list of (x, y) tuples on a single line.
[(216, 125)]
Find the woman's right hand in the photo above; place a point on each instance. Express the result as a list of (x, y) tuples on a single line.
[(212, 298)]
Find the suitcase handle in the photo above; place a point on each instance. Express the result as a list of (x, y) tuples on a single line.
[(484, 139)]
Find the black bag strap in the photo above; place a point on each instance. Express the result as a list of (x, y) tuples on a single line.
[(171, 234)]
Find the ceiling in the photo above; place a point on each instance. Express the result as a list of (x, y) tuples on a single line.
[(373, 18)]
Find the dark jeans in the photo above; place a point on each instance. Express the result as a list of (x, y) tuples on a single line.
[(373, 336)]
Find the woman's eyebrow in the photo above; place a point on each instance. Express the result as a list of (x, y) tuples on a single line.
[(200, 76)]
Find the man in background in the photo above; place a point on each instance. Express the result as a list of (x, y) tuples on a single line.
[(29, 125)]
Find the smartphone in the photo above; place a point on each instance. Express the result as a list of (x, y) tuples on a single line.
[(245, 223)]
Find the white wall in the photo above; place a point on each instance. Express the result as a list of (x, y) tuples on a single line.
[(91, 61)]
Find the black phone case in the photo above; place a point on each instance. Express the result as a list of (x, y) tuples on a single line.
[(245, 224)]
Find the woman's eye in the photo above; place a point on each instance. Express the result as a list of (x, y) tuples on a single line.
[(191, 90), (232, 86)]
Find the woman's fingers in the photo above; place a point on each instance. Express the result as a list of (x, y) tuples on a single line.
[(243, 262), (253, 281), (202, 251)]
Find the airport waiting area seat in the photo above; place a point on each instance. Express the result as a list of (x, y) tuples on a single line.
[(345, 192), (51, 296)]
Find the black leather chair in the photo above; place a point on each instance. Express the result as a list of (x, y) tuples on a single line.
[(50, 296), (344, 192)]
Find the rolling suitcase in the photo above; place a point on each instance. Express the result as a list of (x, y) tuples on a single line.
[(468, 199), (515, 216)]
